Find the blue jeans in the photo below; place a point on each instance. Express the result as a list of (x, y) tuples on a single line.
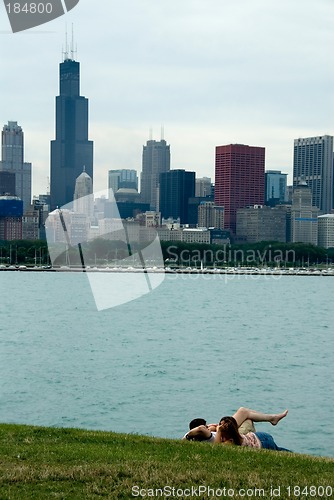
[(267, 441)]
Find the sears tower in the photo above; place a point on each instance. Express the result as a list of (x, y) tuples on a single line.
[(71, 151)]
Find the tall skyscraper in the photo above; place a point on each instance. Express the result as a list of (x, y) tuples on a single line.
[(71, 150), (13, 161), (275, 187), (313, 163), (176, 187), (239, 179), (156, 159)]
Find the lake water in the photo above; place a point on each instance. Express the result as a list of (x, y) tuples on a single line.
[(196, 346)]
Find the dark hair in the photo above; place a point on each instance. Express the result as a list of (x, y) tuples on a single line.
[(196, 422), (229, 430)]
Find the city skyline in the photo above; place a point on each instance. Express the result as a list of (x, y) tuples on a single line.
[(212, 74)]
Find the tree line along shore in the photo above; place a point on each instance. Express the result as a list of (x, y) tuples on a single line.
[(103, 252)]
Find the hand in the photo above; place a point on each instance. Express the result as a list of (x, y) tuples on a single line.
[(212, 427)]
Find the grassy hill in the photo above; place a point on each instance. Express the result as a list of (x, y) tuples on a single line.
[(45, 463)]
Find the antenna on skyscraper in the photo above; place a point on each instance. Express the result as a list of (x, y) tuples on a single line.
[(162, 132), (65, 52), (72, 45), (150, 134)]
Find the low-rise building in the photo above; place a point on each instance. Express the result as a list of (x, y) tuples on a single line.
[(11, 211), (261, 223), (209, 215)]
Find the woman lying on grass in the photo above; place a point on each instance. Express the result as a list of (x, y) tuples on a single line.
[(244, 418), (227, 433)]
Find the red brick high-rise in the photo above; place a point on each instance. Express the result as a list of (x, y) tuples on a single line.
[(239, 179)]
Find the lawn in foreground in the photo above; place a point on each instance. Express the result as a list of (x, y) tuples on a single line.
[(42, 463)]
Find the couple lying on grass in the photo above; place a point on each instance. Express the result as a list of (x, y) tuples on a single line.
[(238, 430)]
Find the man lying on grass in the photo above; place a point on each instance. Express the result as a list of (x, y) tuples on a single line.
[(244, 418)]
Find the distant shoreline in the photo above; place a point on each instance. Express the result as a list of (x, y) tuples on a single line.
[(247, 271)]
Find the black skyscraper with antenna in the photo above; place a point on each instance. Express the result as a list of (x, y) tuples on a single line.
[(71, 150)]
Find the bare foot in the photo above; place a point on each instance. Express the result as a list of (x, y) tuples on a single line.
[(278, 417)]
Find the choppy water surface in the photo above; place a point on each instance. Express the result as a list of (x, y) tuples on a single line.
[(195, 346)]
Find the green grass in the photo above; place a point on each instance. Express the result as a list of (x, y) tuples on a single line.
[(52, 463)]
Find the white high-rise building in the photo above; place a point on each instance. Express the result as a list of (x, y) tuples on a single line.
[(83, 195), (13, 161), (313, 163), (326, 231)]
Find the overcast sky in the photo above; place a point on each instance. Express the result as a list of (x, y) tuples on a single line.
[(212, 72)]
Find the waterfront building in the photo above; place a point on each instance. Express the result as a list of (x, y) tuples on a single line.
[(313, 163), (187, 235), (168, 233), (210, 216), (12, 160), (129, 195), (123, 178), (239, 179), (275, 191), (113, 180), (196, 235), (11, 211), (261, 223), (193, 204), (289, 194), (156, 159), (31, 224), (130, 209), (42, 205), (71, 150), (44, 199), (126, 232), (76, 224), (79, 227), (219, 237), (128, 204), (176, 187), (304, 216), (326, 231), (152, 219), (203, 187)]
